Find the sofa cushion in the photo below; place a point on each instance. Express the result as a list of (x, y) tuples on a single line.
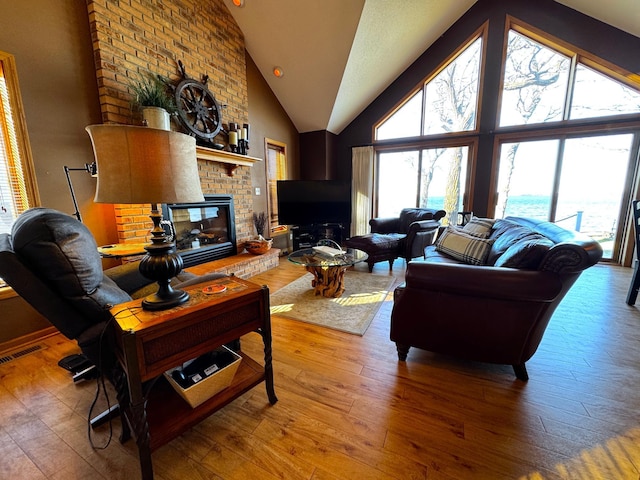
[(501, 226), (525, 254), (464, 247), (504, 234), (431, 255), (479, 227)]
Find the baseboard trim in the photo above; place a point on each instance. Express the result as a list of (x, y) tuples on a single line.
[(18, 342)]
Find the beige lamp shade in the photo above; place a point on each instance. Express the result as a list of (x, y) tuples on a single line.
[(144, 165)]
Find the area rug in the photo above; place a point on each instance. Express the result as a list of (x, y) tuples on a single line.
[(352, 312)]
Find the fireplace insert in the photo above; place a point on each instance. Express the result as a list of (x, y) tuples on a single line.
[(202, 231)]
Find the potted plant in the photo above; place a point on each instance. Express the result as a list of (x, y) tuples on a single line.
[(152, 96), (260, 245)]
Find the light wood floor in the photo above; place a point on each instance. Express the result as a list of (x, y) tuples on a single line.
[(348, 409)]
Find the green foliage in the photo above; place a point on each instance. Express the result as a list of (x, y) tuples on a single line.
[(152, 91)]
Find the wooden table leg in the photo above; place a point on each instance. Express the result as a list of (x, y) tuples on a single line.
[(137, 406), (328, 281), (141, 432), (122, 391), (265, 332)]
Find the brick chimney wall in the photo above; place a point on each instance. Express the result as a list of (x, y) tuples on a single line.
[(140, 37)]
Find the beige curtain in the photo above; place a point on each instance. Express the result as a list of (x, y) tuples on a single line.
[(361, 189)]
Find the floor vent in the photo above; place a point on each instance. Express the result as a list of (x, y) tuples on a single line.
[(20, 353)]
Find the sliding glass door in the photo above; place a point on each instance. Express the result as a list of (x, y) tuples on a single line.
[(577, 182)]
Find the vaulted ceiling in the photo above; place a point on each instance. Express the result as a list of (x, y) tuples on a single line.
[(339, 55)]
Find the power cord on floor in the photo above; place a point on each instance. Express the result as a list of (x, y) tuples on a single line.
[(100, 384)]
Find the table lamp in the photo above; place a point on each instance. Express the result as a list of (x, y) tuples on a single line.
[(147, 165)]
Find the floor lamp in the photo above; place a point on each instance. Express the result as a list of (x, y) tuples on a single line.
[(146, 165), (92, 169)]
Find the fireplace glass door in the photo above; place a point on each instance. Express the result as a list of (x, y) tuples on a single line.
[(202, 231)]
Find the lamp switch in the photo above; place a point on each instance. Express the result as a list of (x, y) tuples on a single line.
[(257, 190)]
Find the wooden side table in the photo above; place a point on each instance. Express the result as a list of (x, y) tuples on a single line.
[(120, 250), (148, 343)]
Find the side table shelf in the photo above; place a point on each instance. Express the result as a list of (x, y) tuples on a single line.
[(169, 415)]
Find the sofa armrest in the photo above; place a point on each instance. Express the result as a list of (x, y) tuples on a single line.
[(420, 235), (572, 257), (483, 281), (384, 225)]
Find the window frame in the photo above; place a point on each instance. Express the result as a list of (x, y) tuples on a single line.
[(576, 55), (469, 141), (567, 128), (489, 136), (272, 177), (480, 33), (10, 73)]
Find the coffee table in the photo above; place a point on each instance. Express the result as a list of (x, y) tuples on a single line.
[(328, 271)]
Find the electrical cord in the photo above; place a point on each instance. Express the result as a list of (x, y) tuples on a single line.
[(100, 384)]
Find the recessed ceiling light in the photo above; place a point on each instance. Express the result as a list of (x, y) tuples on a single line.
[(278, 72), (238, 3)]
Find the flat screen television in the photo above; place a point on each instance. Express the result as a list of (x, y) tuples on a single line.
[(313, 202)]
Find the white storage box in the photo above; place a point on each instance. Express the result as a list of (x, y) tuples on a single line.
[(206, 388)]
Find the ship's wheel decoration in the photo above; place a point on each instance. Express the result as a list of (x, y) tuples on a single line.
[(197, 107)]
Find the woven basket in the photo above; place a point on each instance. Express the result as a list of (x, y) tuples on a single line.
[(207, 388), (258, 247)]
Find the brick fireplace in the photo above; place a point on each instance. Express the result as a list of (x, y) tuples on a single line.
[(140, 37)]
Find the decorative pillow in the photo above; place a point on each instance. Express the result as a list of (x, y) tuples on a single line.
[(479, 227), (525, 254), (461, 246), (505, 234)]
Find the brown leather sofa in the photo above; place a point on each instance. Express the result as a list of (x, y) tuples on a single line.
[(497, 310), (404, 236)]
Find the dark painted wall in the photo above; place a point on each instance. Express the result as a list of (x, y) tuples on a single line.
[(318, 159)]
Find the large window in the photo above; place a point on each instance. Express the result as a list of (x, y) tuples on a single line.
[(566, 137), (429, 178), (17, 185), (591, 173), (448, 102), (537, 86), (436, 175), (574, 179)]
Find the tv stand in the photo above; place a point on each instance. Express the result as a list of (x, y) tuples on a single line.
[(306, 236)]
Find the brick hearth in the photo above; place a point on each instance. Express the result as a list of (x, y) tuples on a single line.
[(243, 265)]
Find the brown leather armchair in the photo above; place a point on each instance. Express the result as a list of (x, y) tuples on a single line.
[(405, 236), (489, 313)]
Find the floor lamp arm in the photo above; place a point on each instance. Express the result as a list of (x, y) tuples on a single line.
[(88, 167)]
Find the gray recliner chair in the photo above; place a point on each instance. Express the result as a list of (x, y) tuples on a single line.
[(51, 260)]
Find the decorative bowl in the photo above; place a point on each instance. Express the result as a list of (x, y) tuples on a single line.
[(258, 247)]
